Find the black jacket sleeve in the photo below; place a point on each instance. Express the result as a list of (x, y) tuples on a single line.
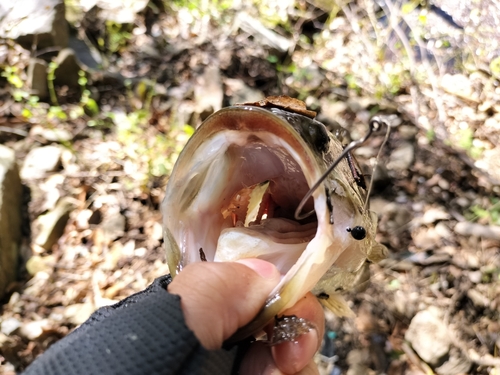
[(142, 334)]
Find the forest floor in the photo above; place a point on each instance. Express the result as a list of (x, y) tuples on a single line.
[(119, 131)]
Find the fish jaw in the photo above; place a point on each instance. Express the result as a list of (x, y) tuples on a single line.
[(213, 167), (203, 175)]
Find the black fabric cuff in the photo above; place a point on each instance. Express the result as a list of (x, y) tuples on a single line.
[(142, 334)]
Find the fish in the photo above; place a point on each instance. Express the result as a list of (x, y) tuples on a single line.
[(234, 192)]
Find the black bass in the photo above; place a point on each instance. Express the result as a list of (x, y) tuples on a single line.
[(234, 191)]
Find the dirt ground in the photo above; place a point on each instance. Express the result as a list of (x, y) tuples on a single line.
[(436, 186)]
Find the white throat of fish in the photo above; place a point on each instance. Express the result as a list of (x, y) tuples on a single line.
[(237, 200)]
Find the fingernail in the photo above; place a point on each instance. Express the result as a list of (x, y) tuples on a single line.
[(264, 269), (292, 357), (272, 370)]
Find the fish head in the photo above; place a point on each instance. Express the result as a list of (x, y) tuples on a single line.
[(233, 194)]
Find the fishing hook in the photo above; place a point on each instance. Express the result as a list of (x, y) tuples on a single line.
[(375, 124)]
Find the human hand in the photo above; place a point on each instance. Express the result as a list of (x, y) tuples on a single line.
[(218, 298)]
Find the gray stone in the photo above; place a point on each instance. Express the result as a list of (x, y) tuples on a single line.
[(465, 228), (208, 92), (238, 92), (50, 226), (23, 20), (41, 160), (52, 134), (331, 110), (67, 69), (457, 364), (9, 326), (33, 330), (434, 214), (408, 132), (260, 32), (10, 217), (402, 157), (37, 78), (429, 336), (114, 226), (111, 10)]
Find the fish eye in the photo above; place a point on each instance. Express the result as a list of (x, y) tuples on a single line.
[(358, 232)]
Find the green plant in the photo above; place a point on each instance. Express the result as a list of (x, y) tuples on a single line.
[(86, 101), (489, 214), (495, 67), (12, 75), (466, 141), (118, 36), (158, 151)]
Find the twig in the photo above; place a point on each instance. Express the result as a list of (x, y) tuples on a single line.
[(7, 129), (413, 357)]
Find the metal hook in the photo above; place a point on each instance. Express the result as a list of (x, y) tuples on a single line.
[(374, 125)]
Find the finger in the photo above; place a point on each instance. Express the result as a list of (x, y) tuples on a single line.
[(292, 357), (310, 369), (259, 361), (218, 298)]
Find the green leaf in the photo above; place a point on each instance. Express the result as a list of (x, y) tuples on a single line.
[(15, 81), (189, 130), (495, 67), (26, 113), (92, 106)]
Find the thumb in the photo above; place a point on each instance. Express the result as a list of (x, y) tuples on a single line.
[(218, 298)]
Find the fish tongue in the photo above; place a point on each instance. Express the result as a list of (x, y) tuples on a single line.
[(279, 241)]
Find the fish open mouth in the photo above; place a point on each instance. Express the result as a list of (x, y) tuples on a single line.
[(236, 195), (258, 212)]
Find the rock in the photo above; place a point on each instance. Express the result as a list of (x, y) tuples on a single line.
[(358, 362), (490, 163), (429, 336), (9, 326), (23, 20), (79, 312), (426, 238), (51, 225), (408, 132), (465, 228), (238, 92), (402, 157), (458, 85), (478, 299), (114, 226), (67, 69), (37, 264), (33, 330), (268, 37), (434, 214), (396, 216), (41, 160), (208, 93), (123, 11), (310, 78), (331, 109), (457, 364), (37, 78), (10, 217), (476, 276), (52, 134)]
